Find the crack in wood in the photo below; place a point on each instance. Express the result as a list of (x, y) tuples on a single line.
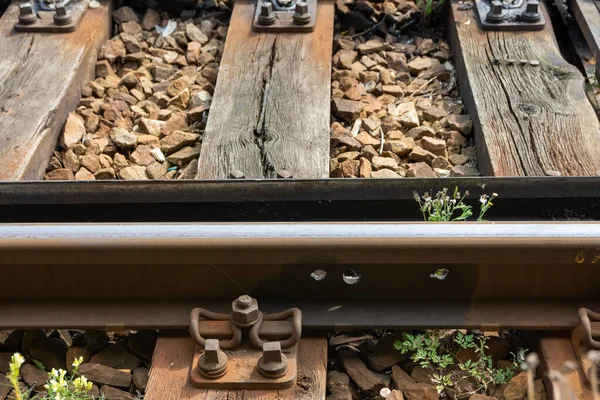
[(260, 131)]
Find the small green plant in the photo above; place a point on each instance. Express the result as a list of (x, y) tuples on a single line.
[(58, 386), (428, 6), (440, 358), (446, 208)]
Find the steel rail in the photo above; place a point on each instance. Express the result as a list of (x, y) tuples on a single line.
[(120, 276), (269, 243)]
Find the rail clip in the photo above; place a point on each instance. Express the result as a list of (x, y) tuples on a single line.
[(586, 337), (224, 360)]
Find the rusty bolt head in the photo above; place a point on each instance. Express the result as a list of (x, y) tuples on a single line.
[(61, 15), (496, 13), (212, 364), (301, 15), (26, 15), (266, 16), (272, 363), (244, 311), (531, 13)]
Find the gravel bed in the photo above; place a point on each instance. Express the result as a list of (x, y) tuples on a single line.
[(116, 363), (367, 366), (396, 110), (143, 115)]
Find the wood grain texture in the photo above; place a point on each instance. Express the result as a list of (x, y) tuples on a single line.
[(41, 76), (555, 349), (173, 357), (271, 106), (527, 120)]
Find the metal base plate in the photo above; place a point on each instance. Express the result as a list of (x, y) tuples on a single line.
[(581, 349), (242, 371), (512, 20), (284, 20), (45, 21)]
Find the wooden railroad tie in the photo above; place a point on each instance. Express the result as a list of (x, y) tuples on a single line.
[(271, 107), (41, 76), (172, 360), (530, 119)]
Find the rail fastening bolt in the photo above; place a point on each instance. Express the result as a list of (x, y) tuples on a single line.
[(266, 16), (531, 13), (244, 311), (26, 15), (61, 15), (272, 363), (496, 13), (301, 16), (243, 302), (212, 364)]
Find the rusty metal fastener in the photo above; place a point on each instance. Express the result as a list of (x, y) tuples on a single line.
[(301, 16), (590, 336), (283, 174), (61, 15), (236, 174), (272, 363), (266, 16), (26, 15), (244, 311), (294, 313), (496, 13), (212, 364), (198, 313), (531, 13)]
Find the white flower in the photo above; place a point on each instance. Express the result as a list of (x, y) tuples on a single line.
[(19, 358), (483, 199)]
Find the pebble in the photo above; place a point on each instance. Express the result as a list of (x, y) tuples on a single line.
[(368, 382), (104, 375), (404, 91), (146, 85)]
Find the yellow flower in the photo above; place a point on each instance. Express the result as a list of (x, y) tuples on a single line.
[(77, 362)]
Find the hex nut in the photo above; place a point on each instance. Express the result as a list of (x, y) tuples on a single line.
[(244, 311)]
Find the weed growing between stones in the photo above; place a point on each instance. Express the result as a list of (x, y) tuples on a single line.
[(442, 357), (445, 208), (58, 385)]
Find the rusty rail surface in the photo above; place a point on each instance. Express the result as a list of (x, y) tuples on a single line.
[(127, 276)]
